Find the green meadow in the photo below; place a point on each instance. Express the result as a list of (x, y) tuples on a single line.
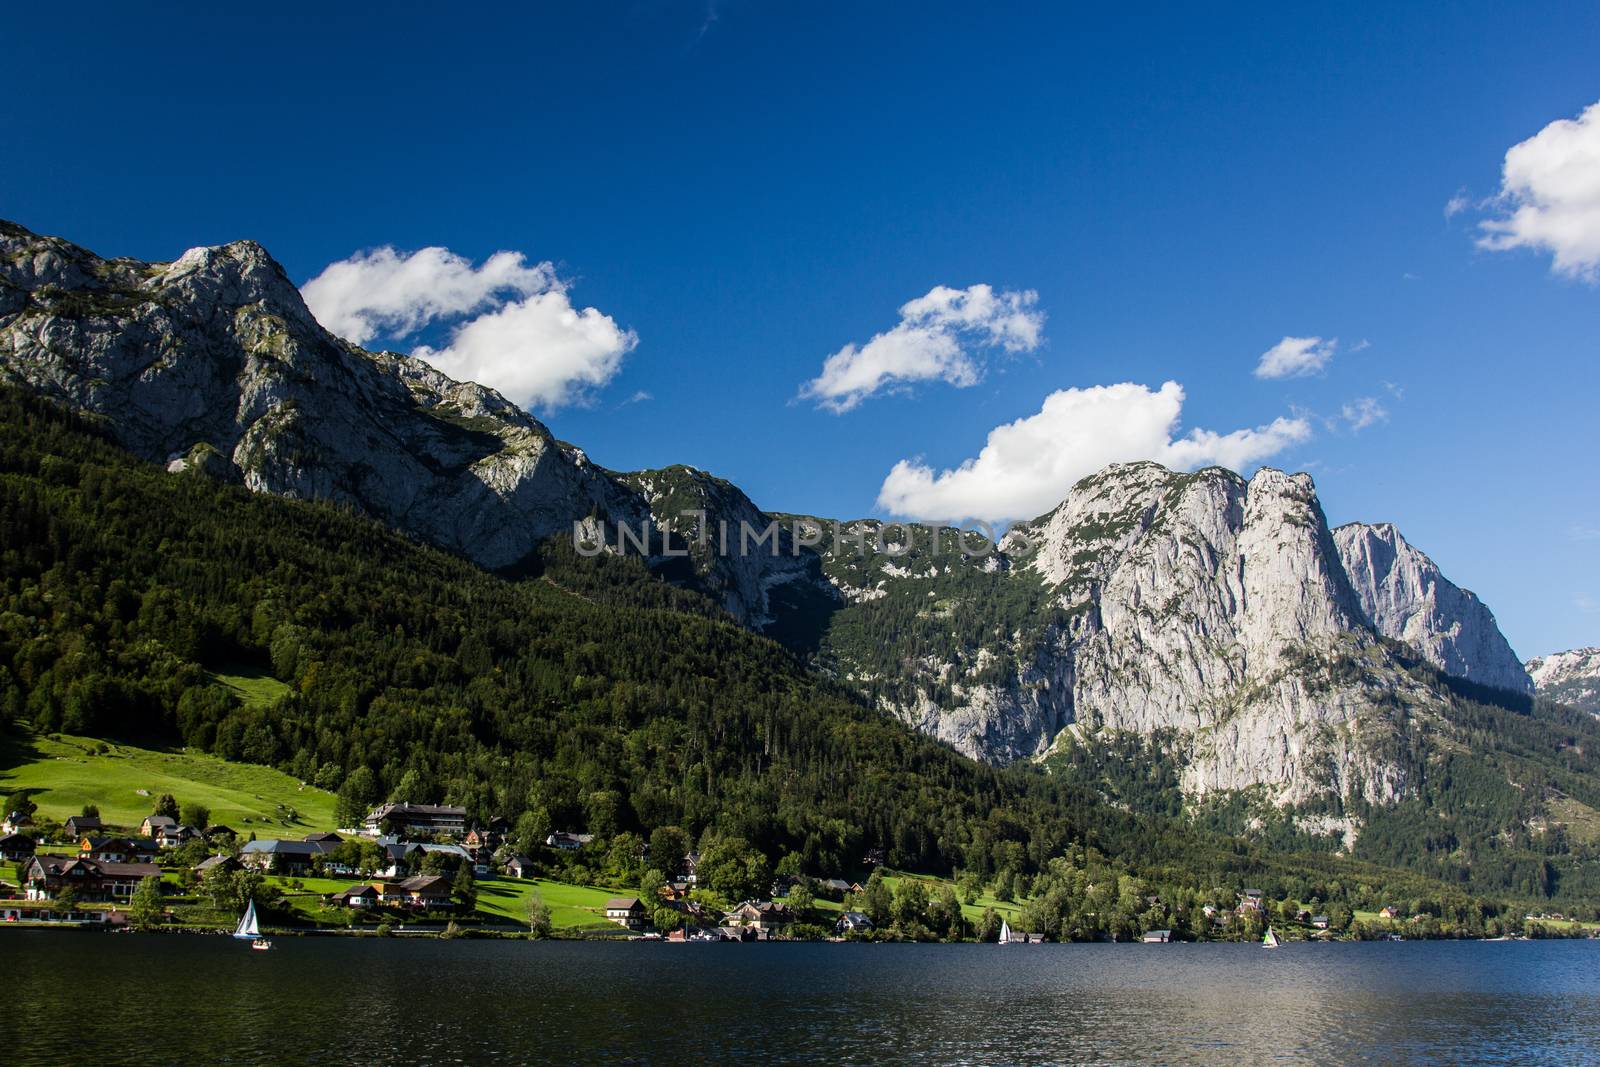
[(63, 773)]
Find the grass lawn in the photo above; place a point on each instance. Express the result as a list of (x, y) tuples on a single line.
[(252, 687), (64, 774), (572, 907)]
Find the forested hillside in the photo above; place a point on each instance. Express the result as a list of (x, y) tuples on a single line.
[(587, 696)]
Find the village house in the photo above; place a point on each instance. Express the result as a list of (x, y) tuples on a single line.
[(1388, 911), (689, 875), (15, 847), (81, 826), (154, 824), (519, 867), (418, 819), (765, 916), (282, 857), (325, 837), (89, 879), (1319, 922), (176, 836), (420, 891), (359, 896), (853, 922), (117, 849), (16, 822), (219, 862), (1156, 937), (455, 852), (568, 842), (481, 840), (1249, 900), (627, 911)]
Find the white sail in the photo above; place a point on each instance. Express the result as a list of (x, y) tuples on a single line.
[(1271, 940), (1005, 932), (248, 927)]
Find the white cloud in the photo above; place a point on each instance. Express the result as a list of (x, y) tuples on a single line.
[(940, 336), (385, 292), (1457, 204), (1027, 466), (538, 351), (527, 339), (1296, 357), (1363, 412), (1550, 196)]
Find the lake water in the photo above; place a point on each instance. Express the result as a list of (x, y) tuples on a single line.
[(77, 998)]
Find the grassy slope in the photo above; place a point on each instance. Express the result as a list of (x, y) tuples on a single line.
[(252, 687), (572, 907), (63, 775)]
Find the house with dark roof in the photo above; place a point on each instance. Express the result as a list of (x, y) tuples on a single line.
[(420, 891), (17, 847), (81, 826), (359, 896), (325, 837), (154, 824), (89, 879), (418, 818), (628, 911), (853, 922), (219, 862), (174, 836), (117, 849), (765, 915), (568, 842), (16, 821), (282, 857), (520, 867)]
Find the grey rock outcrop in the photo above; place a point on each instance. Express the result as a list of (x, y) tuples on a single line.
[(1403, 595), (1571, 677)]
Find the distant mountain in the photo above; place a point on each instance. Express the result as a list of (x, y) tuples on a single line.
[(1405, 597), (214, 360), (1572, 678), (1200, 605), (1221, 613)]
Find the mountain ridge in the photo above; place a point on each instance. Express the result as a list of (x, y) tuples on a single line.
[(1571, 677), (1152, 600)]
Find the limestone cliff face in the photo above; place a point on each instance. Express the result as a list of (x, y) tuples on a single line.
[(215, 360), (1218, 611), (1405, 597), (1569, 677), (1202, 607)]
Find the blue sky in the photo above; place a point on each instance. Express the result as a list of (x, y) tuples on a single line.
[(742, 190)]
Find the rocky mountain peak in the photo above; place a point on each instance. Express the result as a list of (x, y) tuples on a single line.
[(1571, 677), (1405, 596)]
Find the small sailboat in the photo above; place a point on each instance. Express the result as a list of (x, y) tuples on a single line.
[(250, 930), (1005, 933), (1271, 940)]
